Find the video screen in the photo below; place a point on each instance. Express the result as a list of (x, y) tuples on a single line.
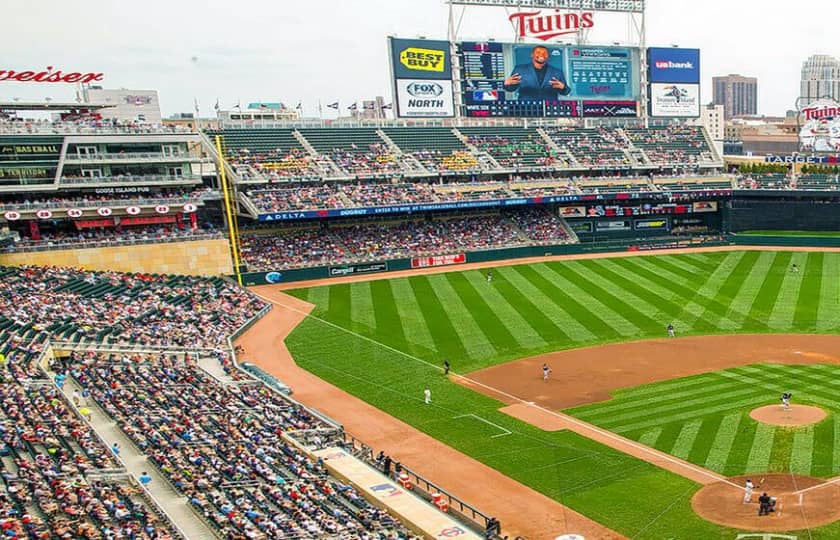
[(535, 80)]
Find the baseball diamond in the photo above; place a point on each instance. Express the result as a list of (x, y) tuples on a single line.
[(497, 335)]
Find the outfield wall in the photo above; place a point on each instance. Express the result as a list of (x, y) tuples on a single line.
[(784, 214), (200, 257), (394, 265)]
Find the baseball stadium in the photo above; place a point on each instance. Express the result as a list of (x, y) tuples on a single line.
[(528, 306)]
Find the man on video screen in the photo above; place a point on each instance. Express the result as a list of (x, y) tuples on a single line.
[(537, 80)]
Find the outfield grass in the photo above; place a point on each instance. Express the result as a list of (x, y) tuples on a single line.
[(375, 338), (790, 233)]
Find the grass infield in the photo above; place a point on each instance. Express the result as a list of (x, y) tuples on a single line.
[(384, 340)]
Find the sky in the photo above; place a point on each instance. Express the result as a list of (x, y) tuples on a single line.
[(309, 52)]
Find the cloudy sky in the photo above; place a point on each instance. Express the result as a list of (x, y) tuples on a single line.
[(293, 51)]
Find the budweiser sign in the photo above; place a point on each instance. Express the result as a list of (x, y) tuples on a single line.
[(49, 76), (537, 24)]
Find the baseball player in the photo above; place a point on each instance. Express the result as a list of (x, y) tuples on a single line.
[(546, 372), (748, 491), (786, 400), (489, 276), (427, 396), (670, 329)]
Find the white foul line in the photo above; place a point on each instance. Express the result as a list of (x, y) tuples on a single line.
[(497, 426), (570, 419)]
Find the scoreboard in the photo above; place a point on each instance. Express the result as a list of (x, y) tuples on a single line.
[(594, 76)]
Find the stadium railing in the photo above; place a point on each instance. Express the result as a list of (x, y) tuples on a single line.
[(53, 245)]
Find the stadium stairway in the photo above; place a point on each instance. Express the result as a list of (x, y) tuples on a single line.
[(570, 158), (176, 507)]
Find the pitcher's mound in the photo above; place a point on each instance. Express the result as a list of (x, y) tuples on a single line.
[(796, 415), (723, 503)]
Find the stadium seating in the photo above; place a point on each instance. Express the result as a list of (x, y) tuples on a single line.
[(222, 448), (593, 147), (353, 150), (437, 149), (671, 144), (111, 307), (272, 150), (513, 146)]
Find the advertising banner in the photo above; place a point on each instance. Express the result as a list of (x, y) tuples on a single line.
[(612, 225), (674, 65), (572, 211), (420, 59), (353, 269), (515, 79), (648, 224), (820, 131), (704, 206), (418, 98), (610, 109), (438, 260), (675, 100)]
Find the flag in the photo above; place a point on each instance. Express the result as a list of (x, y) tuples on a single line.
[(238, 105), (216, 106), (352, 107), (369, 105), (388, 106), (333, 105), (299, 106)]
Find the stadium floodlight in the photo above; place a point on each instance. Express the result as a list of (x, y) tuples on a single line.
[(621, 6)]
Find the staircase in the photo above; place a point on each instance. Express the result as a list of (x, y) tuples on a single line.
[(562, 152), (323, 164), (407, 162), (485, 160)]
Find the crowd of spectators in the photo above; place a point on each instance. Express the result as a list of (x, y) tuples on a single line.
[(89, 125), (96, 237), (36, 201), (222, 447), (46, 454), (375, 158), (345, 243), (113, 307), (510, 151)]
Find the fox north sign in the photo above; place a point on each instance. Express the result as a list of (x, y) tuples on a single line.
[(546, 25)]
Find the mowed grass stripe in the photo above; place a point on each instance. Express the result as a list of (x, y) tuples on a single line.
[(770, 287), (319, 297), (594, 297), (414, 324), (705, 438), (473, 338), (442, 329), (630, 302), (361, 304), (824, 445), (742, 302), (520, 327), (656, 275), (801, 382), (560, 319), (620, 326), (687, 272), (758, 460), (749, 399), (339, 306), (722, 444), (704, 260), (803, 451), (781, 317), (649, 438), (731, 285), (835, 462), (685, 440), (388, 322), (828, 312), (808, 301), (659, 400), (585, 317), (712, 285), (652, 299), (494, 330), (672, 410)]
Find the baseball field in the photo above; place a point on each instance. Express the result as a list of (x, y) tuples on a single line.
[(601, 326)]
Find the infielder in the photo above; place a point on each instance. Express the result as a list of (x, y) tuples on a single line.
[(546, 372), (786, 400)]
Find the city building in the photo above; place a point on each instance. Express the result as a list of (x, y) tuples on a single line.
[(737, 94), (126, 105), (712, 118), (820, 79)]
